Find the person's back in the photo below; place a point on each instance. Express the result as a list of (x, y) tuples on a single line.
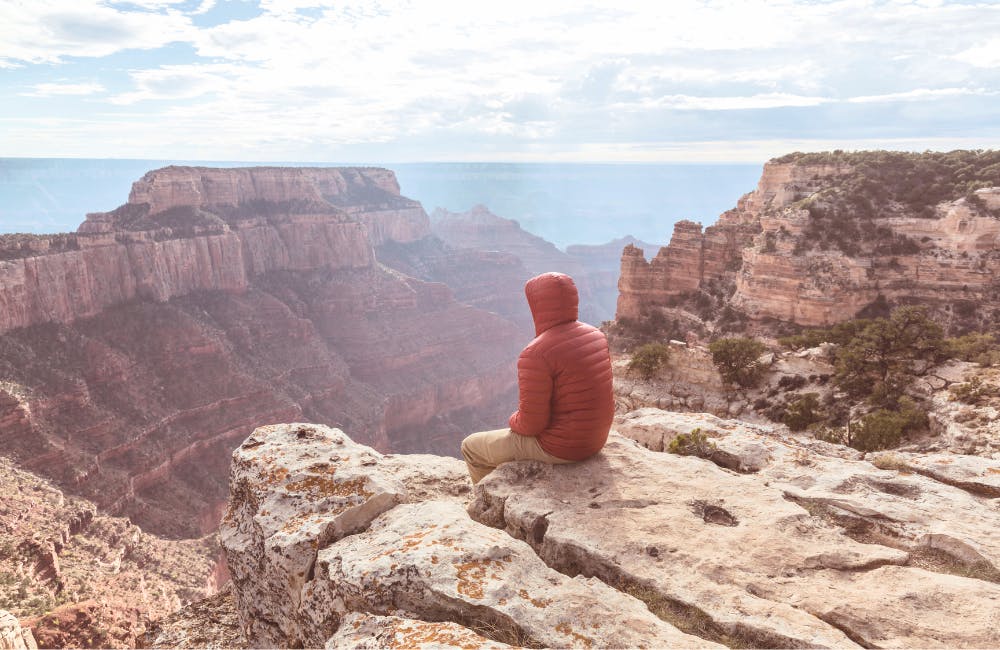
[(565, 398)]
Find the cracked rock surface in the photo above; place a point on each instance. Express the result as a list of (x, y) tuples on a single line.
[(319, 530), (775, 542)]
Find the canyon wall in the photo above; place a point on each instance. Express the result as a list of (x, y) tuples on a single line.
[(135, 353), (779, 260), (480, 230)]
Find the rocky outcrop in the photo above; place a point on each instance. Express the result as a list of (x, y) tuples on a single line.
[(690, 261), (12, 636), (186, 229), (602, 265), (688, 382), (765, 249), (135, 354), (774, 541), (208, 623), (320, 530)]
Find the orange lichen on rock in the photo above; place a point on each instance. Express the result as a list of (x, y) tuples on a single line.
[(415, 634), (472, 576), (586, 641), (537, 602), (274, 476), (326, 486)]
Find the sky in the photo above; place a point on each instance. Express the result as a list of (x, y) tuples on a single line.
[(517, 80)]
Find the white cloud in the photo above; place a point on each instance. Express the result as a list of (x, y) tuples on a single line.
[(986, 55), (177, 82), (316, 75), (921, 94), (692, 103), (47, 31), (55, 89)]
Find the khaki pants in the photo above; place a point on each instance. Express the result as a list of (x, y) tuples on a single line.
[(485, 450)]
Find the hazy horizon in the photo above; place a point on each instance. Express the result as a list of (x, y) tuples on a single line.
[(564, 203)]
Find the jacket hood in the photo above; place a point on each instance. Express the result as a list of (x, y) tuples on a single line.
[(553, 300)]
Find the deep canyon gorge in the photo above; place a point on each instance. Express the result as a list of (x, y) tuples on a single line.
[(139, 352)]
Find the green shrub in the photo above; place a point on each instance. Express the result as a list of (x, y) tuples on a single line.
[(803, 412), (695, 443), (879, 429), (976, 347), (972, 392), (736, 358), (883, 429), (878, 361), (648, 359)]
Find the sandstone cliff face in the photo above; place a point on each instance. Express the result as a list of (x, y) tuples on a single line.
[(690, 261), (774, 541), (950, 260), (136, 353), (602, 265)]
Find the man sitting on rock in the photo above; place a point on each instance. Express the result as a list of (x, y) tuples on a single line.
[(565, 400)]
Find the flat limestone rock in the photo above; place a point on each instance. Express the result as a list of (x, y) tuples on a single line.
[(370, 632), (430, 478), (971, 473), (655, 429), (939, 502), (731, 551), (294, 488), (942, 611), (432, 562), (899, 507)]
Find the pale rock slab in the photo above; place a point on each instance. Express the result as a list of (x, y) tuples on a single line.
[(13, 636), (941, 611), (369, 632), (294, 489), (432, 562), (734, 549), (430, 478), (918, 508), (971, 473)]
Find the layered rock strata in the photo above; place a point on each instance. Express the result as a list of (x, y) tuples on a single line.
[(950, 260), (774, 541), (690, 261), (602, 265), (135, 354)]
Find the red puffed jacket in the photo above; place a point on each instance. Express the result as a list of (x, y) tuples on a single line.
[(563, 375)]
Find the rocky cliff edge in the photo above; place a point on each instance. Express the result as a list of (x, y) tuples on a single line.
[(770, 541)]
